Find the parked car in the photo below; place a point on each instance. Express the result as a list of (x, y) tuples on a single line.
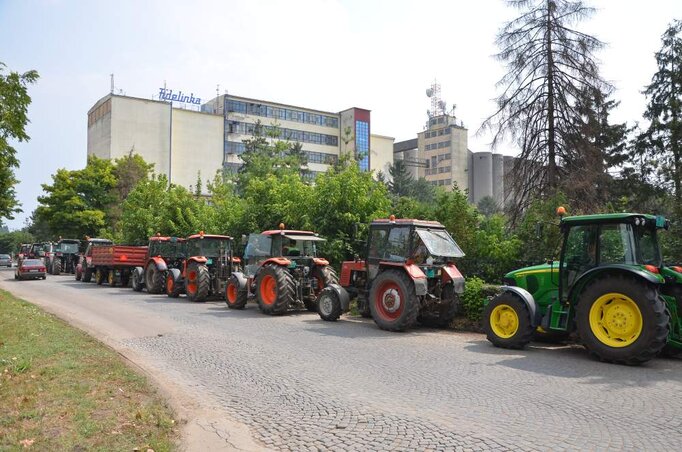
[(30, 269), (5, 260)]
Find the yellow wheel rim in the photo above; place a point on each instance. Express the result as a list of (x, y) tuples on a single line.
[(615, 320), (504, 321)]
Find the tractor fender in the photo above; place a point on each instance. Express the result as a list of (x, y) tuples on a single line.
[(452, 273), (242, 280), (277, 261), (342, 295), (592, 273), (320, 261), (527, 298), (197, 259), (421, 285), (159, 262)]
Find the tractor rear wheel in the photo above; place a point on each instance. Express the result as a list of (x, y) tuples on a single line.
[(323, 277), (235, 298), (99, 276), (173, 283), (153, 278), (507, 322), (138, 276), (622, 320), (275, 289), (393, 301), (198, 284), (56, 266)]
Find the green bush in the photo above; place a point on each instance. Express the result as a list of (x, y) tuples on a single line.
[(476, 292)]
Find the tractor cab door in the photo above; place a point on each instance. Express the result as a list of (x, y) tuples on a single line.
[(578, 255), (377, 244)]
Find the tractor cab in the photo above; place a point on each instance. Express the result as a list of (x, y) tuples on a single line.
[(610, 288), (299, 248)]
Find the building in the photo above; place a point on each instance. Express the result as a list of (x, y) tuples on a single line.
[(440, 154), (185, 144)]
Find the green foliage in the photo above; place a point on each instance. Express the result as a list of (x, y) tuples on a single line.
[(345, 200), (14, 102), (458, 216), (183, 214), (11, 241), (141, 212), (538, 249), (472, 299), (487, 206), (229, 208)]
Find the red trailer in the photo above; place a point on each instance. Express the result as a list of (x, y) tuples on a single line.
[(116, 262)]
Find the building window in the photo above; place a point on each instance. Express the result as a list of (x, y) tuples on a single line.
[(362, 144), (246, 128)]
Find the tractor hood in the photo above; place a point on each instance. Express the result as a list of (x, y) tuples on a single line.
[(542, 268)]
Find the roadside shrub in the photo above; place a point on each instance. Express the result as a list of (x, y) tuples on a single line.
[(476, 292)]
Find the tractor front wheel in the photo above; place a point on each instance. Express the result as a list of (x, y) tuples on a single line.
[(322, 276), (622, 320), (153, 279), (198, 284), (275, 289), (173, 283), (393, 301), (235, 298), (329, 305), (138, 276), (507, 322)]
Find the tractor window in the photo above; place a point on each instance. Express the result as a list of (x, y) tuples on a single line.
[(213, 248), (648, 251), (579, 255), (294, 248), (68, 247), (398, 244), (616, 245), (258, 246), (377, 243)]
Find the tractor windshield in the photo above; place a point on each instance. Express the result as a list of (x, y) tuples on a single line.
[(648, 252), (208, 247), (68, 248), (439, 243), (258, 246)]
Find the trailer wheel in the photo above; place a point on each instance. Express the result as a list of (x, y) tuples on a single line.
[(198, 284), (111, 278), (99, 276)]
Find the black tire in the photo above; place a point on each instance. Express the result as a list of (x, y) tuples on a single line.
[(653, 318), (56, 266), (154, 279), (198, 282), (508, 312), (329, 305), (324, 276), (111, 278), (382, 298), (138, 276), (174, 285), (87, 275), (99, 276), (235, 298), (275, 290)]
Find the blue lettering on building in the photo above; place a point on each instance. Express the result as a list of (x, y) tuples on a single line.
[(167, 94)]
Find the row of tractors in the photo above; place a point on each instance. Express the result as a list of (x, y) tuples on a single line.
[(610, 289)]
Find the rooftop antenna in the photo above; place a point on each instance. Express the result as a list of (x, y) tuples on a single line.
[(112, 83), (433, 93)]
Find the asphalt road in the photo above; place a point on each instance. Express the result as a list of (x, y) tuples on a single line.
[(297, 382)]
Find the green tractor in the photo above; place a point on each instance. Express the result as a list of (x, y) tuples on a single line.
[(610, 289)]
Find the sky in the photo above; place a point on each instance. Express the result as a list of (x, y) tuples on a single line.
[(323, 54)]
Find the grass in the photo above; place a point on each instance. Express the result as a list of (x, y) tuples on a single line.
[(62, 390)]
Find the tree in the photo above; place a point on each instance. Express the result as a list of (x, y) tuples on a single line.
[(549, 66), (488, 206), (11, 241), (128, 171), (664, 110), (14, 102), (401, 179), (143, 209)]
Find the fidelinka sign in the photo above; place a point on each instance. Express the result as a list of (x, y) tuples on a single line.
[(167, 94)]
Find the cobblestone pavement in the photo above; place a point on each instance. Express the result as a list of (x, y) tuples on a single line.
[(303, 384)]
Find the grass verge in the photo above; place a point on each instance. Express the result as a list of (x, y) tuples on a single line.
[(63, 390)]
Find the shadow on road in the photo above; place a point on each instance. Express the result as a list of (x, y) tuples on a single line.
[(573, 361)]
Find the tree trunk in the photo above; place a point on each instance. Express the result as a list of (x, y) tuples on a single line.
[(551, 142)]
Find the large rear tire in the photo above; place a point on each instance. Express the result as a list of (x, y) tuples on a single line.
[(154, 279), (56, 266), (507, 322), (393, 301), (622, 320), (235, 298), (198, 282), (275, 290)]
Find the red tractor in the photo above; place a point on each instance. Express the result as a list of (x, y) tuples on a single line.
[(408, 276), (282, 270), (205, 272), (162, 253)]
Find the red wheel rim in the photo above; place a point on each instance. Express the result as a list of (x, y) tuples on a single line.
[(231, 293), (389, 301), (268, 290)]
